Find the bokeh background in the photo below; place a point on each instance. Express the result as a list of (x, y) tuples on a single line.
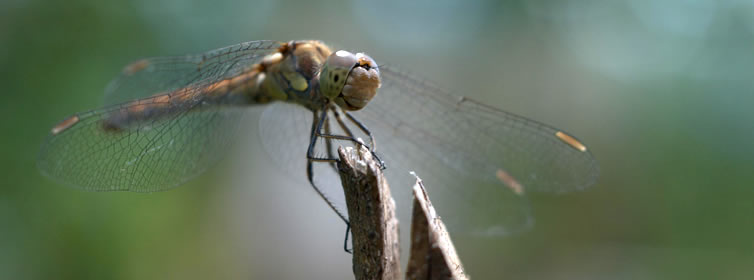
[(661, 90)]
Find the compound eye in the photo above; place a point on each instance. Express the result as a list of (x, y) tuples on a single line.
[(335, 72), (362, 84)]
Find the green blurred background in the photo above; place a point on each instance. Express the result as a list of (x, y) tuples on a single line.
[(661, 90)]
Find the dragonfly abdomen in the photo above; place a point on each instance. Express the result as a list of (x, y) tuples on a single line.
[(284, 75), (240, 90)]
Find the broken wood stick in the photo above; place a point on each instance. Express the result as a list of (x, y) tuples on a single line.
[(371, 213), (374, 226)]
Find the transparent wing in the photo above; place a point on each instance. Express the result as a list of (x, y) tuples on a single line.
[(477, 139), (145, 156), (170, 133), (147, 77), (480, 160)]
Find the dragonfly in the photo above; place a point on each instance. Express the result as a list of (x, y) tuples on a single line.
[(168, 119)]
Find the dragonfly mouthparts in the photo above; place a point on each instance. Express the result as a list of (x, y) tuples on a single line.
[(361, 86)]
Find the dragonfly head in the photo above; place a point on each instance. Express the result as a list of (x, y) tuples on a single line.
[(351, 80)]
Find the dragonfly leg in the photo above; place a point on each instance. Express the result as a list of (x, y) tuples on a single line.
[(310, 176), (345, 243), (317, 133), (355, 141), (349, 136), (319, 123), (341, 123), (366, 131), (316, 125), (329, 147)]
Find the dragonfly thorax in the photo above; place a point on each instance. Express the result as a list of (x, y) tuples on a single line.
[(350, 80)]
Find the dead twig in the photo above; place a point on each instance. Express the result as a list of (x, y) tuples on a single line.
[(433, 255), (371, 211)]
